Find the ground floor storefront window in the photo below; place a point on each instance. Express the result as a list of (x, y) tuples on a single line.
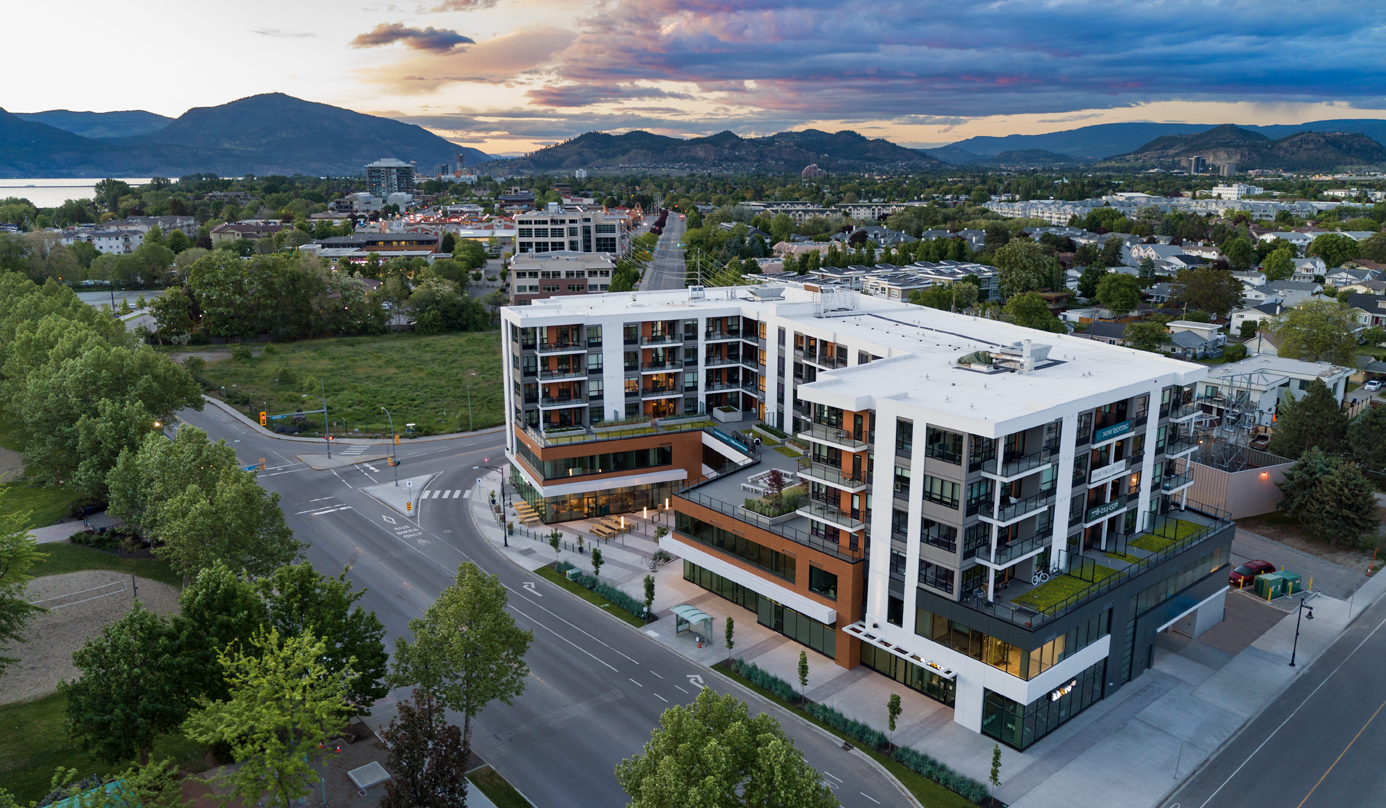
[(567, 507), (1020, 725), (909, 674), (769, 613)]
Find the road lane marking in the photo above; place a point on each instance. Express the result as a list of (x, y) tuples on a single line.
[(1340, 756), (1293, 713), (634, 681), (321, 499), (835, 777), (655, 675), (681, 690), (564, 639), (530, 586), (869, 797), (694, 679), (661, 698), (574, 625)]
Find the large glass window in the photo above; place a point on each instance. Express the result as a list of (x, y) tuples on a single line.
[(904, 437), (936, 576), (902, 481), (944, 445), (822, 583), (595, 464), (979, 496), (1020, 725), (907, 673), (738, 546), (944, 492), (938, 535)]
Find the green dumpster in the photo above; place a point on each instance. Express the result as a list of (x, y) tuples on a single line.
[(1292, 581), (1270, 586)]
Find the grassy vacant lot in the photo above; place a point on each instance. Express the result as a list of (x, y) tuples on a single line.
[(64, 557), (33, 746), (929, 793), (45, 505), (422, 380)]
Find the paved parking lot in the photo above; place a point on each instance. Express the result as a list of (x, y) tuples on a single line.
[(1330, 579)]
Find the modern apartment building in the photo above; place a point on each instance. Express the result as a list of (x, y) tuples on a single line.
[(534, 276), (954, 465), (571, 228), (389, 176)]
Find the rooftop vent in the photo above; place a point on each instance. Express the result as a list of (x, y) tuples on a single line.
[(767, 292)]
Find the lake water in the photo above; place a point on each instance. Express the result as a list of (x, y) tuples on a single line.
[(51, 193)]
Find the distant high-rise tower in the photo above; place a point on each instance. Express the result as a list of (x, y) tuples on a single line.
[(1227, 169), (389, 176), (1198, 165)]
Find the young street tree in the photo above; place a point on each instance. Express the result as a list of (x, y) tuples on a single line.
[(18, 554), (597, 562), (467, 651), (731, 634), (130, 691), (299, 599), (712, 753), (1317, 331), (283, 703), (1312, 420), (893, 710), (803, 675), (426, 758), (649, 595)]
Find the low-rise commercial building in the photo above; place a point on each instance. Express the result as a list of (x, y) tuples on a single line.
[(539, 276)]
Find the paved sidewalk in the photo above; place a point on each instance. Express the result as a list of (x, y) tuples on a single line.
[(62, 531), (1127, 750), (397, 497)]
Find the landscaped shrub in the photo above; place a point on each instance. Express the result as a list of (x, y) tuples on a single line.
[(853, 729), (941, 774), (773, 431), (764, 680), (611, 593)]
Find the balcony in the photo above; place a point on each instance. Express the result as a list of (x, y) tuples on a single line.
[(561, 347), (832, 515), (1176, 482), (1015, 511), (1013, 466), (661, 367), (715, 361), (1183, 412), (672, 391), (1008, 554), (719, 336), (833, 436), (560, 402), (662, 339), (546, 375), (1180, 446), (827, 475)]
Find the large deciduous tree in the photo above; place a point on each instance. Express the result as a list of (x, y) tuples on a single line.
[(1207, 289), (18, 554), (1334, 248), (299, 599), (1317, 331), (713, 753), (130, 690), (1025, 266), (218, 611), (1149, 335), (283, 703), (1280, 264), (1119, 292), (1030, 310), (1313, 420), (467, 651), (426, 758)]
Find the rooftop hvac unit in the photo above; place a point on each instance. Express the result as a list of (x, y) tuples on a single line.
[(696, 292)]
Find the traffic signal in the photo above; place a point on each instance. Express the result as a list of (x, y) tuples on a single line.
[(264, 418), (262, 464), (396, 438)]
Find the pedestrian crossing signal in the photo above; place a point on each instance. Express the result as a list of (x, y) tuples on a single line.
[(264, 418)]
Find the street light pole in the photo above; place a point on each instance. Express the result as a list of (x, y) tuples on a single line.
[(1298, 616), (394, 463), (327, 429), (469, 400)]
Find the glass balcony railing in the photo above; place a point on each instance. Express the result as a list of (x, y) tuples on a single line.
[(822, 472), (1174, 482), (662, 339), (833, 515), (854, 441), (1009, 511), (1181, 411), (558, 375), (1006, 552), (561, 345)]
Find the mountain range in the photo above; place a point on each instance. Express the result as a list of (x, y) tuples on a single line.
[(1303, 151), (1111, 139), (778, 153), (263, 134)]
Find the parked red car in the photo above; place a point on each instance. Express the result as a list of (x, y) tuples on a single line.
[(1243, 575)]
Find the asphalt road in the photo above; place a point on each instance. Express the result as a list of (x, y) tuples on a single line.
[(597, 686), (1317, 746), (666, 270)]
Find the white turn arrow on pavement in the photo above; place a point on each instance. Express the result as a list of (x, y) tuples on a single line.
[(695, 680), (530, 586)]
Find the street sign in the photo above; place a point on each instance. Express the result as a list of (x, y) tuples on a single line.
[(251, 467)]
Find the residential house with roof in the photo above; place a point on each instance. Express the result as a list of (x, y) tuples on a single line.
[(1260, 383), (1340, 278), (1259, 313), (1373, 287), (1372, 308), (1291, 293), (1194, 340), (1106, 331), (1307, 269)]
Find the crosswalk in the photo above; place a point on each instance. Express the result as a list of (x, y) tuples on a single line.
[(355, 449), (438, 493)]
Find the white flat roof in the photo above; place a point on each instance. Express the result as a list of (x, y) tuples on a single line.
[(919, 349)]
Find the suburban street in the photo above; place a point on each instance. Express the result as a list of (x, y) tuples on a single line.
[(1318, 744), (666, 271), (597, 686)]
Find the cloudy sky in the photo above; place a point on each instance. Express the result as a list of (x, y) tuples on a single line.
[(508, 76)]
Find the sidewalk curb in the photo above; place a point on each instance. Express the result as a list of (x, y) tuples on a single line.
[(890, 778), (1237, 733), (222, 405)]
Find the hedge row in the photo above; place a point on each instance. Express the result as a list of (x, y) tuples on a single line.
[(856, 730), (765, 680), (941, 774), (779, 433), (611, 593)]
